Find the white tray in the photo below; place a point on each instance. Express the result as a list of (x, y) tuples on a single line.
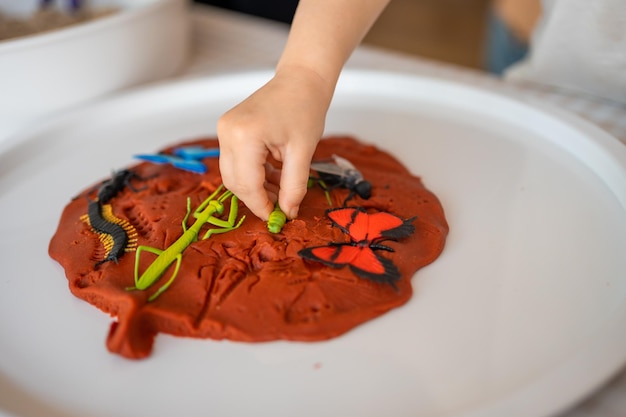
[(522, 315)]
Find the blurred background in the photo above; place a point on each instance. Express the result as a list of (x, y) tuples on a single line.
[(459, 32), (453, 31)]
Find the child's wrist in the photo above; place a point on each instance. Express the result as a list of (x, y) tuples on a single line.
[(309, 78)]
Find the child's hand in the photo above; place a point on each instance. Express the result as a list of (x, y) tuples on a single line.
[(286, 118)]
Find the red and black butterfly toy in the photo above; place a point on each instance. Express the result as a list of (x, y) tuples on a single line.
[(366, 231)]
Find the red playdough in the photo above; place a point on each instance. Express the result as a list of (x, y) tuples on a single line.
[(247, 284)]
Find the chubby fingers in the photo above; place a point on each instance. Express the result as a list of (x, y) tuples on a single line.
[(243, 173)]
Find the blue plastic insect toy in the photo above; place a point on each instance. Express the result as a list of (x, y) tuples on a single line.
[(188, 158)]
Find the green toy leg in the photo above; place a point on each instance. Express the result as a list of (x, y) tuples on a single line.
[(203, 214)]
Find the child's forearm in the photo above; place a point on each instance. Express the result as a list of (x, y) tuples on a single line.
[(325, 32)]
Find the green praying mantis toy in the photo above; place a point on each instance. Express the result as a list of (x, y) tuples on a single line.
[(207, 212)]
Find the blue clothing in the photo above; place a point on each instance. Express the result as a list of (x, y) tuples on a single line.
[(503, 48)]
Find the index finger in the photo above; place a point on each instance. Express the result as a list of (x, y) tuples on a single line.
[(243, 173)]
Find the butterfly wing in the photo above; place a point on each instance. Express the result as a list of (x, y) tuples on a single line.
[(360, 225), (351, 220), (389, 226), (363, 261), (363, 229), (368, 264), (336, 256)]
